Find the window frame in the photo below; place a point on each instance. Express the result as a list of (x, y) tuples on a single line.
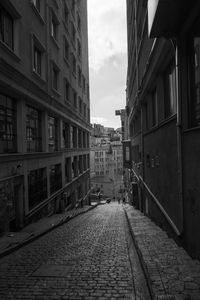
[(170, 91), (8, 122), (52, 134), (5, 14), (54, 26), (39, 189), (194, 101), (37, 130), (37, 5), (55, 178)]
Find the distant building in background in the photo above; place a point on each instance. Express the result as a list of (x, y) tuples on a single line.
[(163, 109), (44, 109), (106, 162)]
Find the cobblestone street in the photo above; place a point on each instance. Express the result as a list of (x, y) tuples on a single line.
[(87, 258)]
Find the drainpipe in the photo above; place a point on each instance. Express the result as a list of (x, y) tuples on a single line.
[(179, 133)]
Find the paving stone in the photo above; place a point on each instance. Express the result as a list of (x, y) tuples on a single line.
[(168, 266), (75, 261)]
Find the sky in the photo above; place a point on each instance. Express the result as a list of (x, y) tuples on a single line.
[(107, 60)]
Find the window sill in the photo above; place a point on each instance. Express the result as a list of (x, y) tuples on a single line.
[(38, 77), (55, 42), (36, 11), (192, 129), (10, 51), (161, 124)]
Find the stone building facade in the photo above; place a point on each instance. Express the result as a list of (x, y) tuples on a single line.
[(44, 109), (106, 163)]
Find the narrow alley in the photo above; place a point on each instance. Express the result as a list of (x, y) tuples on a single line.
[(86, 258)]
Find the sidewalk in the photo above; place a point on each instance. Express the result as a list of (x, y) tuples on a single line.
[(14, 240), (170, 271)]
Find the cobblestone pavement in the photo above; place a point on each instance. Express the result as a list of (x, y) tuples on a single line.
[(86, 258), (172, 273)]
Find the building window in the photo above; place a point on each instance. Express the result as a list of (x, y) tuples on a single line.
[(37, 187), (84, 110), (54, 27), (8, 137), (84, 162), (74, 167), (33, 130), (6, 28), (55, 75), (66, 15), (36, 3), (66, 135), (66, 50), (83, 84), (79, 22), (79, 76), (74, 137), (195, 83), (55, 175), (73, 64), (79, 49), (37, 61), (170, 98), (80, 164), (52, 133), (73, 33), (84, 139), (68, 175), (67, 91), (88, 115), (75, 98), (88, 141), (80, 105), (154, 104), (80, 138), (136, 125), (73, 7)]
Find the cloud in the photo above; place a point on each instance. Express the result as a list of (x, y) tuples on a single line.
[(107, 37)]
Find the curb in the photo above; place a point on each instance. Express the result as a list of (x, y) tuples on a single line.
[(142, 262), (35, 237)]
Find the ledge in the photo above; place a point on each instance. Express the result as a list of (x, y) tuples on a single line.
[(38, 14), (10, 51)]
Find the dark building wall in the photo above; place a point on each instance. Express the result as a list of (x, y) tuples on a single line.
[(191, 184), (168, 136), (62, 157), (160, 164)]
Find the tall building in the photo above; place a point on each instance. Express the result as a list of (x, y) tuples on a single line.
[(44, 109), (163, 102)]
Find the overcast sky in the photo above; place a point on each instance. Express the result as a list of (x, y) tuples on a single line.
[(107, 59)]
